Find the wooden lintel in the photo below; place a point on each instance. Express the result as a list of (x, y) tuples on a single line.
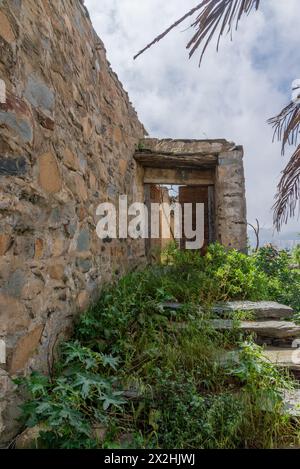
[(180, 176), (160, 160)]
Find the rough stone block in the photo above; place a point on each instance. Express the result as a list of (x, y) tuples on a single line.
[(25, 349), (2, 92), (56, 271), (39, 94), (21, 127), (13, 315), (5, 242), (83, 240), (15, 283), (71, 160), (13, 166), (6, 31), (49, 176)]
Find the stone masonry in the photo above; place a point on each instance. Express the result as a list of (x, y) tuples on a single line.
[(222, 162), (69, 137)]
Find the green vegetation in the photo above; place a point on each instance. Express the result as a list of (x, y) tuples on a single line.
[(139, 375), (296, 254), (283, 283)]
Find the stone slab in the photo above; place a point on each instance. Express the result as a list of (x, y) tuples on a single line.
[(292, 403), (286, 357), (260, 309), (272, 329)]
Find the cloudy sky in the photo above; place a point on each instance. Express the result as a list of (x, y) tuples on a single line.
[(231, 96)]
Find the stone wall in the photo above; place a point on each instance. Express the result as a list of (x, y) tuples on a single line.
[(231, 209), (67, 139), (214, 162)]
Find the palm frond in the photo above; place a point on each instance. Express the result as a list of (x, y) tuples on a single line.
[(214, 15), (288, 195), (287, 125)]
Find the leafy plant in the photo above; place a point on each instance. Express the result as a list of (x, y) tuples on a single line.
[(161, 377)]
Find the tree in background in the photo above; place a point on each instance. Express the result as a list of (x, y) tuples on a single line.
[(217, 18)]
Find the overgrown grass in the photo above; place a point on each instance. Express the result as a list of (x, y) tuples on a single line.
[(139, 375)]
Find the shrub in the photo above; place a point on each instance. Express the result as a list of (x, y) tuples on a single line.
[(283, 282), (163, 377)]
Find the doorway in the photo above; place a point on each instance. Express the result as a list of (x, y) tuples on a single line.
[(180, 194)]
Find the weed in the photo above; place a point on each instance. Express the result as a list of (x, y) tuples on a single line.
[(159, 378)]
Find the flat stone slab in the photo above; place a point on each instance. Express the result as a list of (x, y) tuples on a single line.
[(260, 309), (271, 329), (285, 357)]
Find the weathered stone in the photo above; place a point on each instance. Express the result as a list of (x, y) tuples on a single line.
[(118, 135), (82, 213), (181, 147), (268, 329), (123, 167), (56, 271), (84, 264), (87, 127), (28, 439), (292, 403), (71, 228), (83, 300), (83, 240), (93, 182), (49, 175), (39, 247), (32, 288), (5, 242), (22, 127), (58, 246), (2, 92), (13, 315), (285, 357), (71, 160), (78, 187), (260, 309), (12, 166), (5, 29), (15, 283), (39, 94), (26, 347), (46, 121)]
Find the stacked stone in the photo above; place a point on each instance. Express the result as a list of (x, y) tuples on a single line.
[(67, 139)]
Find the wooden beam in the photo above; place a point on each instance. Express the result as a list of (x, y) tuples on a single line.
[(191, 177), (185, 146), (211, 214), (160, 160), (147, 201)]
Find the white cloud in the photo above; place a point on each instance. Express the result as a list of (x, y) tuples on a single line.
[(233, 93)]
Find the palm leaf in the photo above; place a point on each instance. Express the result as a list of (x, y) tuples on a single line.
[(287, 125), (286, 128), (288, 195), (213, 15), (222, 17)]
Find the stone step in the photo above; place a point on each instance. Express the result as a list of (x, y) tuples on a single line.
[(260, 309), (263, 329), (292, 403), (285, 357)]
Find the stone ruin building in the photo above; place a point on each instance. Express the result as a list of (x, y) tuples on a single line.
[(69, 140)]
